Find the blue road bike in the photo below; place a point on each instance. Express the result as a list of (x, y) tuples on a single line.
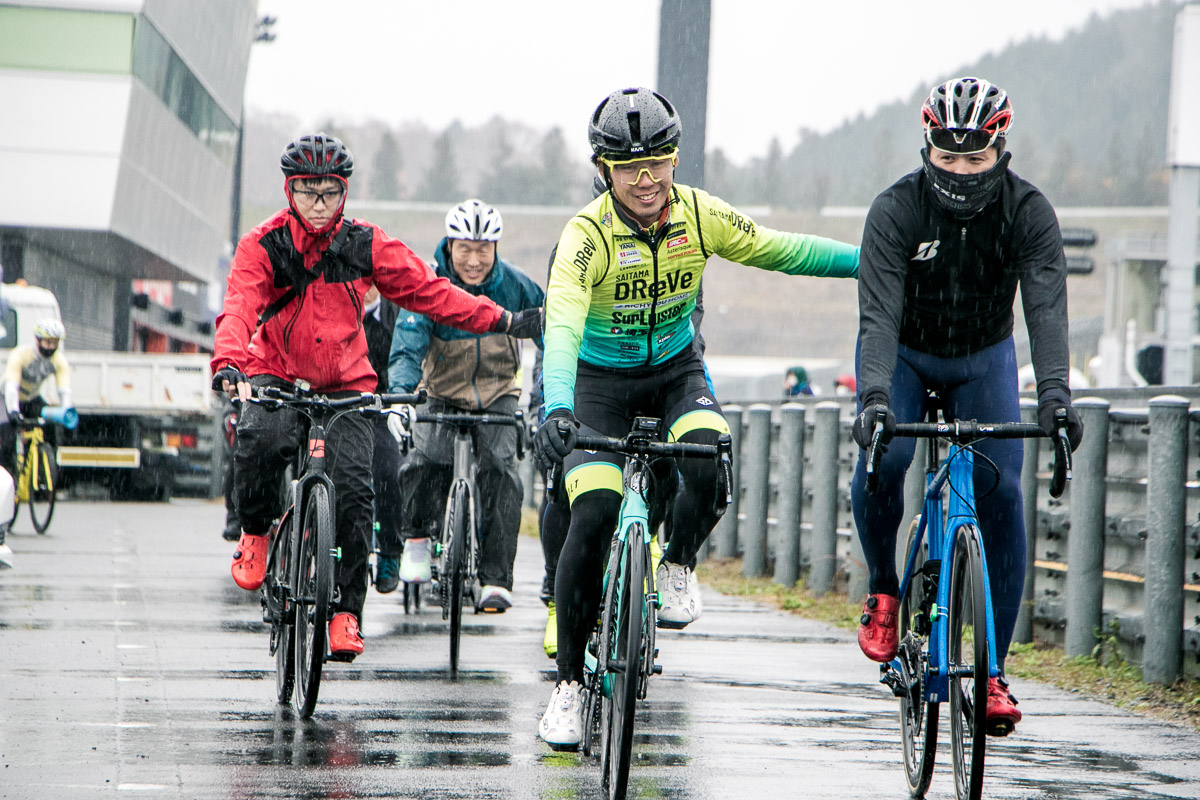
[(947, 637), (621, 652)]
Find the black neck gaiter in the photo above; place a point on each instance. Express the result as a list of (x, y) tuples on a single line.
[(964, 195)]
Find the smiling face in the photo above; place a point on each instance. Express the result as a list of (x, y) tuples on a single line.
[(472, 261), (646, 197)]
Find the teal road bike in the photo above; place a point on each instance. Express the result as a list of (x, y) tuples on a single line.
[(621, 653)]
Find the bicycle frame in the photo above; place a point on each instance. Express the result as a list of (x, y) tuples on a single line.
[(958, 470)]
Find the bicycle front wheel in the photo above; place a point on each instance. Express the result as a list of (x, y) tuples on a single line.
[(918, 719), (967, 664), (313, 589), (624, 668), (277, 600), (458, 528), (43, 476)]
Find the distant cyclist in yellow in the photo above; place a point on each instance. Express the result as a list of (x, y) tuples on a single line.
[(28, 368), (620, 343)]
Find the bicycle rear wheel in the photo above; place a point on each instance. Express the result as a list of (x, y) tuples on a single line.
[(918, 719), (43, 476), (313, 589), (967, 665), (280, 609), (624, 668), (458, 528)]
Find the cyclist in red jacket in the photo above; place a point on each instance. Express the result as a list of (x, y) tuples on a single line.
[(294, 310)]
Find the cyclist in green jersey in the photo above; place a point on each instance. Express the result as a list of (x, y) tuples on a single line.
[(619, 344)]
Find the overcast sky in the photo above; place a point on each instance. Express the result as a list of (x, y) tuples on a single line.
[(775, 65)]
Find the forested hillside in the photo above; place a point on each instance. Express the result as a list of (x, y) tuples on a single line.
[(1089, 129)]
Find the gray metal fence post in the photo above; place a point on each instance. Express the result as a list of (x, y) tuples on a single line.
[(823, 556), (1029, 489), (1166, 454), (725, 535), (757, 450), (790, 459), (1085, 542)]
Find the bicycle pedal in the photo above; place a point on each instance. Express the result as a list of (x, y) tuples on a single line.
[(341, 658), (656, 669)]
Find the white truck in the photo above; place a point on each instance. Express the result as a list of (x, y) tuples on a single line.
[(146, 420)]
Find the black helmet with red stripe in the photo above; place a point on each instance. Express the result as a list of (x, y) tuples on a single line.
[(966, 115), (316, 154)]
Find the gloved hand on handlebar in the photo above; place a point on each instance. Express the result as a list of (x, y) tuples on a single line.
[(400, 420), (874, 401), (1053, 395), (228, 378), (556, 438)]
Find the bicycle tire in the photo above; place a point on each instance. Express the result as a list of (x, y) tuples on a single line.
[(594, 717), (968, 679), (313, 590), (624, 665), (42, 491), (918, 718), (282, 644), (457, 529)]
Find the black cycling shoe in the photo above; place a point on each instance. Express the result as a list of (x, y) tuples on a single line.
[(387, 575), (547, 590)]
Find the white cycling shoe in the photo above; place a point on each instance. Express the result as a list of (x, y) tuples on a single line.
[(415, 561), (495, 599), (562, 724), (678, 595)]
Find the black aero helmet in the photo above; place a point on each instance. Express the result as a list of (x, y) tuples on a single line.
[(966, 115), (632, 123), (316, 154)]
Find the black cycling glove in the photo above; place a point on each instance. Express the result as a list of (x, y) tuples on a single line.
[(228, 373), (556, 438), (874, 400), (525, 324), (1053, 395)]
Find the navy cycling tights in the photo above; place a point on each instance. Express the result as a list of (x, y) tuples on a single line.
[(981, 386)]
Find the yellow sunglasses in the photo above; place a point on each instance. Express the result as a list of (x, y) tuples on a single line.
[(630, 171)]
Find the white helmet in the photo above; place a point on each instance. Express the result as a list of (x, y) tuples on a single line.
[(474, 220), (48, 328)]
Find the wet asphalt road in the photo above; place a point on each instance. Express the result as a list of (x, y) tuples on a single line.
[(131, 666)]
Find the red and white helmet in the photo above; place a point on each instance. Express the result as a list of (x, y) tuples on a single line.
[(966, 115)]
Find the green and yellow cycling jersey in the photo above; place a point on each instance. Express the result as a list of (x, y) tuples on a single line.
[(622, 298)]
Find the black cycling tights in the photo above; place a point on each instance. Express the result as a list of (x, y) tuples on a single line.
[(594, 517)]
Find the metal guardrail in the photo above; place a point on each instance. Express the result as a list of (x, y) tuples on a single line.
[(1117, 557)]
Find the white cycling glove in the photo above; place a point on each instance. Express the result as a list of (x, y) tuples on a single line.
[(399, 419)]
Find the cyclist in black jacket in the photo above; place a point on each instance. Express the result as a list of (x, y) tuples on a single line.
[(943, 251)]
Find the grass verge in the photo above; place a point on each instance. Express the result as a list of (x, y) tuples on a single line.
[(1104, 675)]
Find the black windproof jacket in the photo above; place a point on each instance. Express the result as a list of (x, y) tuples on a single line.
[(946, 286)]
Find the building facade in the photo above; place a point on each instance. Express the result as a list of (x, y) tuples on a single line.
[(118, 148)]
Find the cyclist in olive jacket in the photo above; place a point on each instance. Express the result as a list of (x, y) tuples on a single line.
[(470, 372), (619, 343), (294, 310), (943, 251)]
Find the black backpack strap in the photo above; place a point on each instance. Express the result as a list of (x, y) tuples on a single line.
[(332, 254)]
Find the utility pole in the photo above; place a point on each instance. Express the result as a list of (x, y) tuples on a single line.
[(683, 27), (263, 33), (1183, 157)]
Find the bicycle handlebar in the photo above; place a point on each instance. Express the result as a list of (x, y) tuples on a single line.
[(965, 432), (472, 418)]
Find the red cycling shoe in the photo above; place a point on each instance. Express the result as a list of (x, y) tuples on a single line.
[(345, 642), (250, 561), (877, 628), (1002, 714)]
